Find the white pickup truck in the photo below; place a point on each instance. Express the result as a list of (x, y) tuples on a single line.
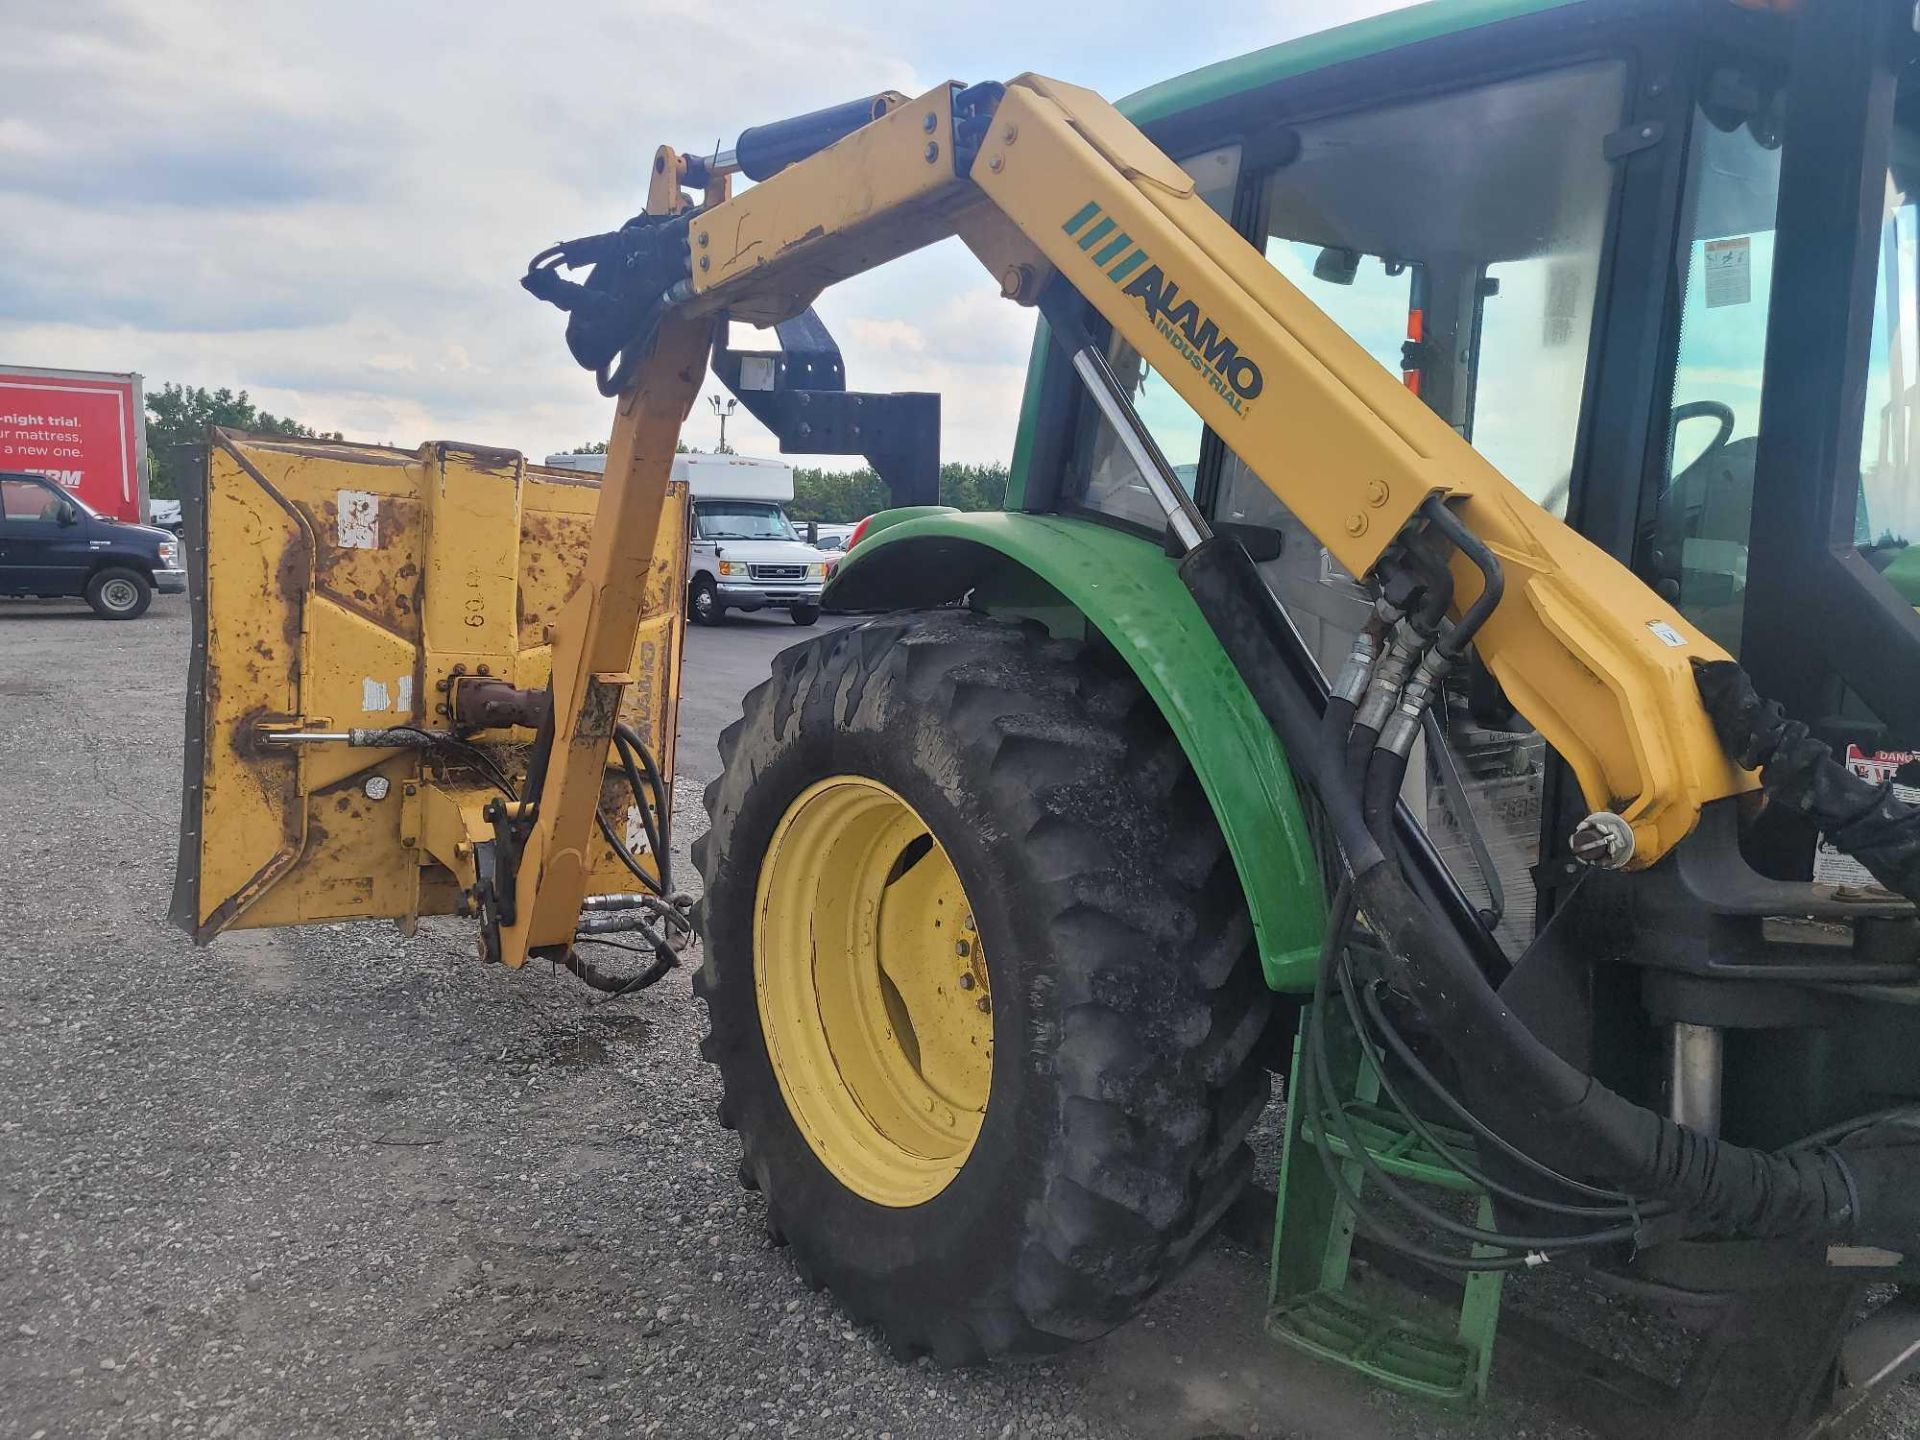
[(745, 553)]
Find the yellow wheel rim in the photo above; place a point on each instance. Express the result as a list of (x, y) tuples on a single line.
[(872, 991)]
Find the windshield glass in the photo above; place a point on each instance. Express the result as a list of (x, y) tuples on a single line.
[(740, 520), (1887, 524), (1695, 551)]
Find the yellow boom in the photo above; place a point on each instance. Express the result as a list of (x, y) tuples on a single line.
[(1057, 186)]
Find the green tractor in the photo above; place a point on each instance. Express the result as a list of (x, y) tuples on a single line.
[(1016, 903)]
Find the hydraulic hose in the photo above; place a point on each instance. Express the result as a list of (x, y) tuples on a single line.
[(1558, 1110), (1865, 820), (1381, 792)]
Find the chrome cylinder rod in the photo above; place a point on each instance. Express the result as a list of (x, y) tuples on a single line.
[(1695, 1059)]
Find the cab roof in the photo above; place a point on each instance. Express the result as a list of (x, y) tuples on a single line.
[(1355, 41)]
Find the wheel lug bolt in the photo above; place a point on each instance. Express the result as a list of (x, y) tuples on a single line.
[(984, 1005), (962, 948), (966, 982)]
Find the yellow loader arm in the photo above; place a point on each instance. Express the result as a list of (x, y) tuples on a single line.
[(1059, 196), (1046, 182), (1058, 182)]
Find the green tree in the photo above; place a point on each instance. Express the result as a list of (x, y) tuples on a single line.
[(836, 497), (840, 497), (180, 414), (599, 447), (973, 487)]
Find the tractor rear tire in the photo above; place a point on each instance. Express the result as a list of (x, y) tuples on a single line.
[(1126, 994)]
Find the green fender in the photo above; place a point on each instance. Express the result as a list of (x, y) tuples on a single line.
[(1072, 574)]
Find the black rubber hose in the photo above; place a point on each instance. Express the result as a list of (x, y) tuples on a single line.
[(1312, 1102), (616, 985), (1357, 754), (1865, 820), (1381, 793), (1417, 1067), (1563, 1112), (1405, 1199), (655, 810), (1558, 1110), (1335, 721), (634, 867), (1446, 1151)]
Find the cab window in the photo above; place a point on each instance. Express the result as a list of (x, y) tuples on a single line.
[(1887, 523), (1100, 476), (1695, 551), (1470, 270), (29, 502), (1459, 239)]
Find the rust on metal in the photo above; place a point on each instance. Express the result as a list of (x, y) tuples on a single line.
[(601, 708)]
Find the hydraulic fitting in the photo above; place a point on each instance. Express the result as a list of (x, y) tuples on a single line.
[(1351, 686), (1397, 736), (1389, 676)]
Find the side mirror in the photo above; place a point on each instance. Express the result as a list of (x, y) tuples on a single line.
[(68, 513), (1336, 266)]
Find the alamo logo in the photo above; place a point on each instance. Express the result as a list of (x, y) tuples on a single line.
[(1180, 321)]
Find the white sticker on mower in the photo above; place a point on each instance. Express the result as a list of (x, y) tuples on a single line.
[(637, 832), (377, 697), (1667, 635), (357, 520)]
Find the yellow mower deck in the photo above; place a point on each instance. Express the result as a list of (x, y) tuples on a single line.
[(346, 586)]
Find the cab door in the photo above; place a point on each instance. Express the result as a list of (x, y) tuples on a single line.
[(44, 539)]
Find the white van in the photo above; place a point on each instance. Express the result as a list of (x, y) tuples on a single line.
[(745, 553)]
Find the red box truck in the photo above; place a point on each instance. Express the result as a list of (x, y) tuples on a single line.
[(85, 429)]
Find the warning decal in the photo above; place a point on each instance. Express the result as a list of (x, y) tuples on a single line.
[(1830, 867)]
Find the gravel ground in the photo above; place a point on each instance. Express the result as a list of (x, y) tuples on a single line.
[(333, 1181)]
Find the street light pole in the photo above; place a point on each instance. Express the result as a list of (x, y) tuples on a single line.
[(723, 413)]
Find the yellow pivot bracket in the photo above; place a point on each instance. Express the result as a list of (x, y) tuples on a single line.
[(594, 639)]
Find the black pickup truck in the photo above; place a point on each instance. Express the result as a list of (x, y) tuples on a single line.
[(52, 544)]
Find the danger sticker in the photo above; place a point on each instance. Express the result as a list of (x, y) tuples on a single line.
[(1729, 271), (1830, 867), (1667, 635)]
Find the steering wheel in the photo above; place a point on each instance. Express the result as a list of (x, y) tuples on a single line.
[(1700, 410)]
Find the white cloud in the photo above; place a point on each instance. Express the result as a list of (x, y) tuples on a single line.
[(330, 204)]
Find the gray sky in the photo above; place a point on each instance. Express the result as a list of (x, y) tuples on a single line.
[(330, 204)]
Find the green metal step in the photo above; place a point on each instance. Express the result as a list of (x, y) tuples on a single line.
[(1391, 1348), (1312, 1302)]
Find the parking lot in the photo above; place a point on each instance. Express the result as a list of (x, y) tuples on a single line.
[(333, 1181)]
